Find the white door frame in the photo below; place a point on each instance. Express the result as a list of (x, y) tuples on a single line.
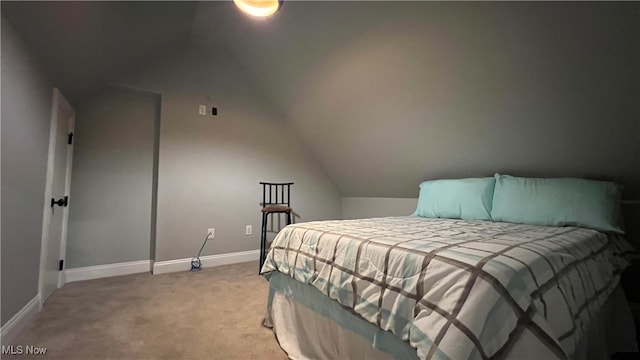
[(58, 100)]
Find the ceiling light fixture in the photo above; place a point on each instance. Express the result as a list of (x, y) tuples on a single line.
[(260, 8)]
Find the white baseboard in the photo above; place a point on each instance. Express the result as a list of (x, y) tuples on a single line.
[(20, 320), (163, 267), (102, 271)]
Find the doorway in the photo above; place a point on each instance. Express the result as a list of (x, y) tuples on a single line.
[(112, 220)]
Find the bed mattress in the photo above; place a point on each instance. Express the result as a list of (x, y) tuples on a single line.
[(457, 289)]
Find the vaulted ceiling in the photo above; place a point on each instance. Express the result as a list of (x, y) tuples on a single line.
[(84, 44), (387, 94)]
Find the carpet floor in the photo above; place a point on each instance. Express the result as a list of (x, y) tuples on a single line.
[(215, 313)]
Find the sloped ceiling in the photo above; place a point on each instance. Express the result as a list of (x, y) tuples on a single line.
[(387, 94), (83, 44)]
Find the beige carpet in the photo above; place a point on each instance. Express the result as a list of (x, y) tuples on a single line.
[(215, 313)]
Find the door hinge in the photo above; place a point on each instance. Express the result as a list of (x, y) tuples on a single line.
[(60, 265), (70, 138)]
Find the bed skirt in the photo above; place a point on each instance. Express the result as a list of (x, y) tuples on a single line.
[(309, 325)]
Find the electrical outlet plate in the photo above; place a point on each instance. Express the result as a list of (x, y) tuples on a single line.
[(202, 110), (248, 230), (211, 232)]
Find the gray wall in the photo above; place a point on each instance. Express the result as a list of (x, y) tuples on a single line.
[(26, 108), (388, 94), (210, 166), (112, 183), (367, 207)]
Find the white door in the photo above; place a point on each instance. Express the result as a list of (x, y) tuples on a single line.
[(56, 211)]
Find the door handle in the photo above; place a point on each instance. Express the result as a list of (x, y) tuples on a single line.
[(61, 202)]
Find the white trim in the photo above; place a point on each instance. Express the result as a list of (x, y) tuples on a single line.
[(102, 271), (164, 267), (46, 215), (20, 320), (62, 277), (58, 102)]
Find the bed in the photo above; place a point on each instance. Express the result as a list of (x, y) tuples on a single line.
[(436, 288)]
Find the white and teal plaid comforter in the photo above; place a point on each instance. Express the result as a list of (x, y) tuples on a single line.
[(457, 289)]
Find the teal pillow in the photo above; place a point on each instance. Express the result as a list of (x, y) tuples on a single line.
[(558, 202), (468, 199)]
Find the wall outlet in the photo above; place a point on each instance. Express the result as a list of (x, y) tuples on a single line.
[(248, 230), (211, 232), (202, 110)]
